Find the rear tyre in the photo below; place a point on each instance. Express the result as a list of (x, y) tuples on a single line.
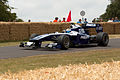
[(102, 39), (64, 41)]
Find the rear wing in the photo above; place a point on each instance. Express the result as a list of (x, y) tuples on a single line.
[(98, 27)]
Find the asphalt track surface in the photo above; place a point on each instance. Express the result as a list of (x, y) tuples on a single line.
[(15, 51)]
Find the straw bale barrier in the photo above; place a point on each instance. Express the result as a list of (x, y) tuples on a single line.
[(4, 31), (104, 71), (44, 28), (108, 27), (19, 31), (23, 30), (38, 28), (92, 31), (117, 28), (52, 27)]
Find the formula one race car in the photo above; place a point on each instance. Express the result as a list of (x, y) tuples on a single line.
[(75, 35)]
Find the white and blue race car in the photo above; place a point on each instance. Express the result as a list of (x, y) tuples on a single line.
[(75, 35)]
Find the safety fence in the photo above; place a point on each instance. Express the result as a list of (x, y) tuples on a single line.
[(10, 31)]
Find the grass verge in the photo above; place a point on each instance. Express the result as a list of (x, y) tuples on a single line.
[(3, 44), (53, 60), (114, 36)]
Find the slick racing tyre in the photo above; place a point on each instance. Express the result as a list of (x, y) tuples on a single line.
[(102, 39), (37, 44), (64, 41)]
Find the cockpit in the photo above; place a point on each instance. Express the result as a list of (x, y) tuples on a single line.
[(75, 28)]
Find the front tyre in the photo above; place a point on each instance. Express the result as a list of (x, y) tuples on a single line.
[(37, 45), (102, 39), (64, 41)]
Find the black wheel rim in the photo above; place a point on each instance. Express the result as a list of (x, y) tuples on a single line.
[(66, 42)]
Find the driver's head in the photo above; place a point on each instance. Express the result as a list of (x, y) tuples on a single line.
[(72, 23)]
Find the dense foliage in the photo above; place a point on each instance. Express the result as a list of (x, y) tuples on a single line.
[(5, 12), (113, 10)]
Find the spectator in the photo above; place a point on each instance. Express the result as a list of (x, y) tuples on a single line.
[(63, 20), (59, 20), (56, 19), (85, 21), (80, 21), (101, 20), (111, 20), (116, 19), (29, 20), (9, 20)]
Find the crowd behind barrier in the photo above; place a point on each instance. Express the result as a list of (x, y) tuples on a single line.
[(10, 31)]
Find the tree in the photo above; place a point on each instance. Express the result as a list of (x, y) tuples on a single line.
[(113, 10), (5, 12)]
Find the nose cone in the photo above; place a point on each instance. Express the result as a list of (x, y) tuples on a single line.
[(40, 37)]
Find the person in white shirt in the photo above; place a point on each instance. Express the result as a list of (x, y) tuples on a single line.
[(111, 20)]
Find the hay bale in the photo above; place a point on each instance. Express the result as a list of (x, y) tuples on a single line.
[(57, 27), (108, 27), (53, 28), (92, 31), (19, 31), (117, 28), (38, 28), (44, 28), (64, 26), (4, 31)]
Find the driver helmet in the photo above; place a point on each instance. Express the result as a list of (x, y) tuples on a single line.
[(68, 30)]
